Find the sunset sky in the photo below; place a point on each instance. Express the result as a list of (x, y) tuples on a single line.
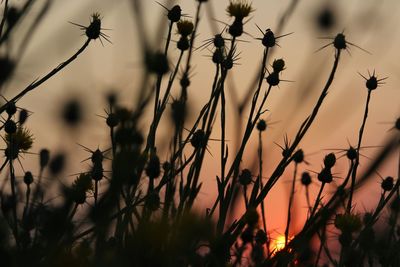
[(370, 24)]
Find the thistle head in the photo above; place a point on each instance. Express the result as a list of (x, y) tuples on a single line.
[(239, 9), (340, 41), (94, 29), (185, 27), (21, 138), (175, 13)]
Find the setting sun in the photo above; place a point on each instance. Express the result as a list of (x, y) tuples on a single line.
[(279, 243)]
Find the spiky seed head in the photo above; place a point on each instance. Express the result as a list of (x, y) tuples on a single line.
[(261, 125), (227, 63), (340, 41), (298, 156), (269, 39), (175, 13), (94, 29), (325, 176), (183, 43), (219, 41), (22, 138), (273, 79), (329, 160), (218, 56), (351, 153), (97, 156), (387, 183), (185, 27), (198, 139), (305, 178), (245, 177), (28, 178), (185, 80), (372, 83), (112, 120), (10, 126), (239, 9), (278, 65), (11, 108), (236, 29)]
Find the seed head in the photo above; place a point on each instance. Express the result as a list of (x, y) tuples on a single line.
[(325, 176), (261, 125), (305, 179), (273, 78), (112, 120), (329, 160), (351, 153), (96, 172), (298, 156), (11, 108), (268, 39), (22, 138), (278, 65), (239, 9), (387, 183), (185, 27), (93, 31), (10, 127), (219, 41), (245, 177), (198, 139), (175, 13), (28, 178), (340, 41), (183, 43), (372, 82)]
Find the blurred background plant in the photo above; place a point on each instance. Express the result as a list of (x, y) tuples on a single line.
[(182, 162)]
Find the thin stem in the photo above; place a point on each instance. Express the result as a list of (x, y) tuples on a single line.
[(37, 83), (360, 135), (290, 204)]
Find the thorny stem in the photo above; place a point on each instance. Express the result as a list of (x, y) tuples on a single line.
[(37, 83)]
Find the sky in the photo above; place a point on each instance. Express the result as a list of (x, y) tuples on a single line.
[(372, 25)]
